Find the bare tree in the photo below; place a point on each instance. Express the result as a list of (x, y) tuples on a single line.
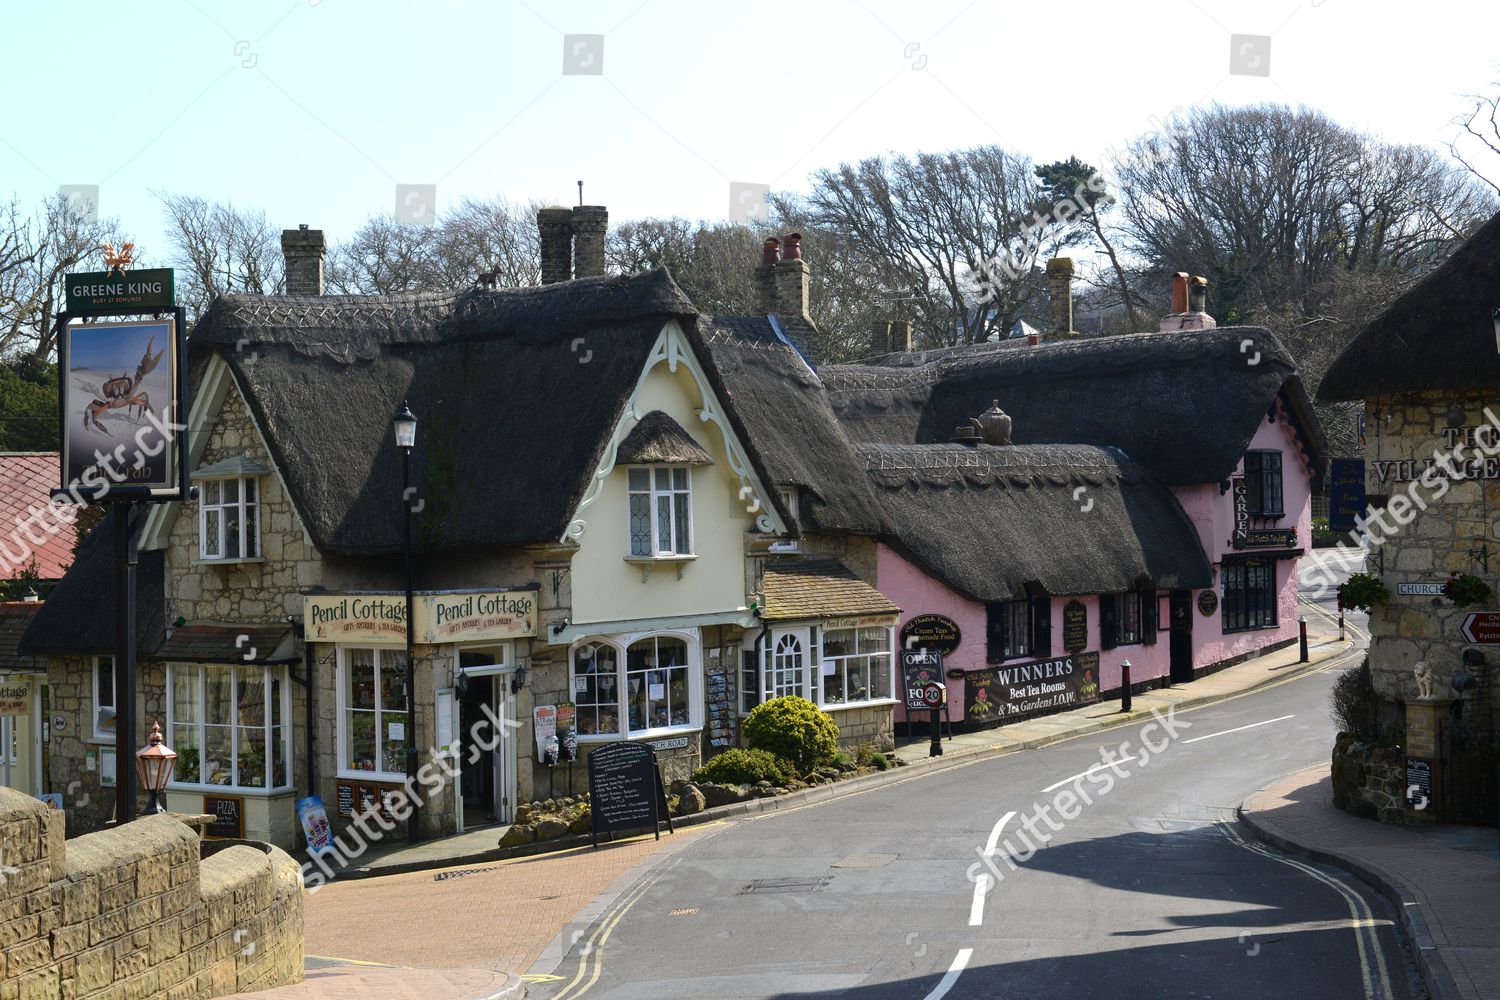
[(926, 225), (218, 248), (479, 235), (36, 251), (1482, 125)]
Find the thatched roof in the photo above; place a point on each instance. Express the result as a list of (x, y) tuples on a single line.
[(782, 413), (15, 616), (78, 617), (1440, 334), (657, 439), (516, 393), (1064, 519), (1183, 405)]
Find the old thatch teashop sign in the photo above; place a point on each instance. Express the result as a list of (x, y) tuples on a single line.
[(1015, 691), (1075, 627), (938, 633)]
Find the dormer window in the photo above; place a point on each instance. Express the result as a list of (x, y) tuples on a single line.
[(229, 510), (661, 520), (658, 456)]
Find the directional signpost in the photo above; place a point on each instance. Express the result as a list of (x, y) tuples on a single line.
[(1482, 628)]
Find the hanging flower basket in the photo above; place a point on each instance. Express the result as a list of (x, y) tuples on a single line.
[(1467, 590), (1363, 591)]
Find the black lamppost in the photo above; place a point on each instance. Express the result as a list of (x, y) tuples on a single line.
[(406, 439)]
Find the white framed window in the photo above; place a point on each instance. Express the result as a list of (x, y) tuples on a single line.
[(230, 725), (788, 673), (104, 697), (373, 721), (856, 665), (661, 520), (229, 518), (637, 685)]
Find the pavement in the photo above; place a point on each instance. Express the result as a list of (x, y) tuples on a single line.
[(1445, 882), (483, 911)]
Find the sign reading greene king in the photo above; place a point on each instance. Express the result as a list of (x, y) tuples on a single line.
[(90, 291), (439, 617)]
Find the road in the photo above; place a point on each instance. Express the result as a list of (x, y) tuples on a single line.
[(1148, 889)]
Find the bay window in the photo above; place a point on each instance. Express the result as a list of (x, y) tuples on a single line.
[(372, 697), (629, 686), (661, 523), (229, 725), (229, 518), (856, 665)]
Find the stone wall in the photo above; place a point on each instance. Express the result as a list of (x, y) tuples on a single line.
[(1429, 532), (132, 912), (874, 726), (1368, 780), (254, 592)]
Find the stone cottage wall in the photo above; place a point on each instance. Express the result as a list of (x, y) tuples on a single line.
[(132, 912), (1457, 532), (263, 591)]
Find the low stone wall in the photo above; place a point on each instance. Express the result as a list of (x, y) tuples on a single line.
[(132, 912), (1368, 780), (871, 725)]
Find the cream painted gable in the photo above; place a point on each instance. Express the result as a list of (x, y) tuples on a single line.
[(728, 499), (221, 426)]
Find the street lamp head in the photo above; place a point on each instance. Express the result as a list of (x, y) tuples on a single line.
[(153, 765), (406, 427)]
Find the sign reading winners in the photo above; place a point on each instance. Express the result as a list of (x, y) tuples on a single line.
[(1016, 691)]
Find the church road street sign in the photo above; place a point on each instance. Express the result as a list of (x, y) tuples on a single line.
[(1482, 628)]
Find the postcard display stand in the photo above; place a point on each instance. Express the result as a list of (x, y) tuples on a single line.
[(719, 674), (131, 371)]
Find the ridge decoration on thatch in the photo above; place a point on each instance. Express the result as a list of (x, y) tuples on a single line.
[(657, 439)]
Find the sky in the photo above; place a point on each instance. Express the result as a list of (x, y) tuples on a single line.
[(316, 110)]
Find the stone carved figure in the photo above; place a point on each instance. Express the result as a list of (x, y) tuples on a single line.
[(1423, 673)]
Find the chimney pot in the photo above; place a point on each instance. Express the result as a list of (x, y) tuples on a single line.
[(303, 250), (1198, 295), (770, 252), (1189, 305), (793, 243), (1180, 292)]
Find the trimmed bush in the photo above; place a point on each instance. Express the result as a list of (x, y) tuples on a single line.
[(1354, 703), (793, 728), (744, 767)]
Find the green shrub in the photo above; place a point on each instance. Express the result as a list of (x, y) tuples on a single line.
[(744, 767), (864, 755), (880, 762), (793, 728), (843, 761)]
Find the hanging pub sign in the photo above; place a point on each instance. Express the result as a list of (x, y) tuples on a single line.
[(1260, 538), (1346, 495), (1241, 495), (102, 291), (120, 389), (938, 633), (1016, 691), (1075, 627)]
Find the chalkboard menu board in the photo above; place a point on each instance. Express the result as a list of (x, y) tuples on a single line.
[(1418, 782), (1075, 627), (626, 791), (345, 801), (228, 812)]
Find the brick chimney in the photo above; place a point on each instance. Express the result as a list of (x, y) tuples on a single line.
[(304, 250), (782, 288), (590, 224), (1060, 291), (1189, 305), (555, 225)]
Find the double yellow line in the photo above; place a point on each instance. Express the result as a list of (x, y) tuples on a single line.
[(593, 948)]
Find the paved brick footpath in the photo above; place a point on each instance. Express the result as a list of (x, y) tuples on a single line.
[(1449, 897)]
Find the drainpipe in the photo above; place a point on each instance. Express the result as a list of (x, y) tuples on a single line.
[(306, 681), (760, 637)]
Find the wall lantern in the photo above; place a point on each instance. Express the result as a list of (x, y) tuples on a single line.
[(153, 765)]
